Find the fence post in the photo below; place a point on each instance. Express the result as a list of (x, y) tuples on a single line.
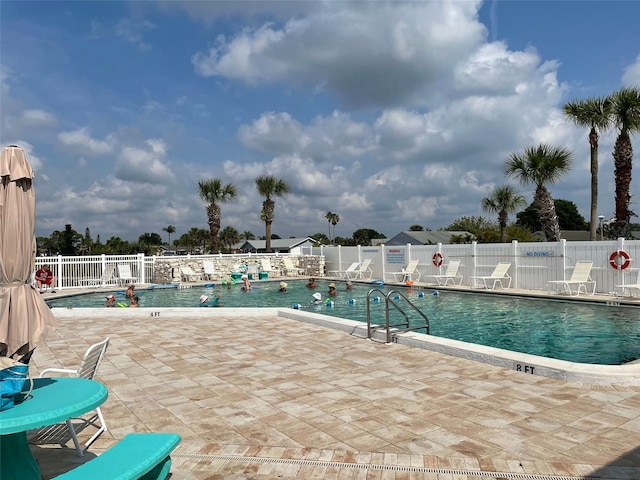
[(514, 254), (382, 262), (474, 260), (141, 268)]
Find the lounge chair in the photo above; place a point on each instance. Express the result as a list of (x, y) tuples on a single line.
[(124, 274), (209, 270), (342, 273), (407, 273), (290, 270), (108, 277), (500, 273), (187, 274), (630, 286), (363, 272), (580, 278), (87, 369), (265, 266), (450, 275)]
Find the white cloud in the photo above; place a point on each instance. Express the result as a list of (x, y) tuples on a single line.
[(132, 31), (631, 76), (144, 164), (38, 118), (81, 140)]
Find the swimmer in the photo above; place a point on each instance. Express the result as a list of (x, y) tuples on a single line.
[(317, 299), (111, 301), (312, 283), (204, 301), (134, 302), (129, 293), (332, 290), (349, 285), (246, 283), (283, 287)]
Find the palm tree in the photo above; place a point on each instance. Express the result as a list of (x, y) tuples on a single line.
[(541, 165), (269, 186), (169, 229), (213, 192), (503, 201), (333, 219), (594, 113), (626, 117), (247, 235), (229, 236)]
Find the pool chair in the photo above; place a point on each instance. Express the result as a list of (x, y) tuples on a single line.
[(500, 273), (187, 274), (363, 272), (209, 270), (342, 273), (265, 266), (290, 270), (124, 274), (450, 275), (57, 433), (409, 273), (628, 287), (580, 279)]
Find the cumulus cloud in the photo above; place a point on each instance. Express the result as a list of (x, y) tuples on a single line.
[(81, 140), (38, 118), (410, 50), (145, 164), (631, 76)]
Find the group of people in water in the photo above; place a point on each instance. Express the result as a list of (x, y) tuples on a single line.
[(130, 296), (134, 300)]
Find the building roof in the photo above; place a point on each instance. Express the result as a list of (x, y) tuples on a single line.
[(276, 243), (425, 237)]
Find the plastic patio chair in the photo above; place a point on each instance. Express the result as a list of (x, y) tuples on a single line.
[(627, 287), (580, 278), (450, 274), (124, 274), (87, 369), (500, 273)]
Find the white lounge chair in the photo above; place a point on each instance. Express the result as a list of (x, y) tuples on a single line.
[(500, 273), (124, 274), (265, 266), (209, 270), (54, 433), (108, 277), (580, 278), (187, 274), (628, 287), (450, 275), (290, 270), (363, 272), (342, 273), (408, 273)]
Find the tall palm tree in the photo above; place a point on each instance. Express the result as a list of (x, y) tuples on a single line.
[(169, 229), (213, 192), (593, 113), (626, 117), (503, 201), (333, 219), (269, 186), (541, 165)]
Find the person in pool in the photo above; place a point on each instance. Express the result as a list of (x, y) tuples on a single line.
[(129, 293), (246, 283), (332, 290), (204, 301), (349, 285), (283, 287), (134, 302), (111, 301), (312, 283), (317, 299)]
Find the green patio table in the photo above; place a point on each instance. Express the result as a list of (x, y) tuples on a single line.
[(53, 400)]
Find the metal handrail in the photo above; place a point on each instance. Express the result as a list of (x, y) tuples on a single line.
[(388, 326)]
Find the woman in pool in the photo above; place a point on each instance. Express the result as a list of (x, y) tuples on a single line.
[(246, 283), (332, 290), (134, 302), (312, 283), (129, 293), (283, 287), (317, 299), (204, 301)]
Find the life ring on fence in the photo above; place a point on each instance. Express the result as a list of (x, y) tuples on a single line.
[(438, 259), (613, 260)]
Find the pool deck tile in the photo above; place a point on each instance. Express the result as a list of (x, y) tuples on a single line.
[(268, 397)]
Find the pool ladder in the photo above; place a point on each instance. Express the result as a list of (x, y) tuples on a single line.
[(389, 301)]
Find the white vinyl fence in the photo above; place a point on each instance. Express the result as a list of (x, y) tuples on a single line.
[(532, 264)]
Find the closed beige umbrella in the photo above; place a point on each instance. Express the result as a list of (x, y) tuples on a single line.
[(25, 318)]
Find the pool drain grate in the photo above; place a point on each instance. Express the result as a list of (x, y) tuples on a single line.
[(367, 466)]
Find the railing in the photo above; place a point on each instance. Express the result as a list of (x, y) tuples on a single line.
[(388, 326)]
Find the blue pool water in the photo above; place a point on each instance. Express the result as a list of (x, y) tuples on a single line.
[(572, 331)]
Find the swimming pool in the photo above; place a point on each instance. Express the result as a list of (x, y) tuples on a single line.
[(572, 331)]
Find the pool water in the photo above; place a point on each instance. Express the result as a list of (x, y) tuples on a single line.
[(573, 331)]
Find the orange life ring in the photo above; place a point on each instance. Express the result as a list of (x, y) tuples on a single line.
[(438, 259), (613, 260)]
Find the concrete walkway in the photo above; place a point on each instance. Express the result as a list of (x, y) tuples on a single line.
[(265, 397)]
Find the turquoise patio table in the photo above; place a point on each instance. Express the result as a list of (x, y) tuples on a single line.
[(53, 400)]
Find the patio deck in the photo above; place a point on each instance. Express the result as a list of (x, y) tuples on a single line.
[(257, 396)]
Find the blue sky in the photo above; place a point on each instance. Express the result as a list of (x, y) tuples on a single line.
[(387, 113)]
